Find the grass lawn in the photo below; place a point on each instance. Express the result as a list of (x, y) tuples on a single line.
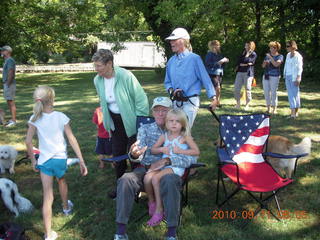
[(94, 213)]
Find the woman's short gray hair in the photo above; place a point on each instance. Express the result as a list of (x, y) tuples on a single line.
[(103, 55)]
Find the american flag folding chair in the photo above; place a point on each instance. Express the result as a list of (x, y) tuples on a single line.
[(241, 158)]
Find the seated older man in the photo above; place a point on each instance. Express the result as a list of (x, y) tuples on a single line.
[(130, 183)]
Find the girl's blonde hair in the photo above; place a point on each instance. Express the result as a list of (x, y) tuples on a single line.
[(275, 45), (43, 96), (182, 117), (213, 43)]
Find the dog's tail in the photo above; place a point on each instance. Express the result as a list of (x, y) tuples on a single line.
[(23, 204), (303, 147)]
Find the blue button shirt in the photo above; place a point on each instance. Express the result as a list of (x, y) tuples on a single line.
[(187, 72)]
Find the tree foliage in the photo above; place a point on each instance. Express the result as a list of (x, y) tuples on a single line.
[(75, 26)]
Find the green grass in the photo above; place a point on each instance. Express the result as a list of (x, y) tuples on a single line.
[(94, 213)]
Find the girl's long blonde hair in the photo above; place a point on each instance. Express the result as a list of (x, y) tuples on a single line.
[(43, 96), (185, 130)]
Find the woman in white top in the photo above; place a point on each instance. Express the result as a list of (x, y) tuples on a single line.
[(292, 74)]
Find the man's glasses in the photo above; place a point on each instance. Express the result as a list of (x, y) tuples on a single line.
[(160, 111)]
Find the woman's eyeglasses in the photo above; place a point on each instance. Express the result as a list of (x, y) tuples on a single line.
[(288, 46)]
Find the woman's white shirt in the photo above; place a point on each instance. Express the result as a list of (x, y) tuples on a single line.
[(110, 97)]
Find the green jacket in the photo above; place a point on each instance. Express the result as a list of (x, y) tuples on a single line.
[(130, 97)]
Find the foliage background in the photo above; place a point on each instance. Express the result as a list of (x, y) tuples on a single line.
[(39, 29)]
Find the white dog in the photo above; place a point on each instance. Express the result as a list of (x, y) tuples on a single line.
[(12, 199), (8, 155)]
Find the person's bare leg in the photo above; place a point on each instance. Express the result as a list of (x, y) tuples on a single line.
[(268, 108), (13, 109), (218, 94), (296, 112), (147, 180), (63, 190), (156, 188), (101, 163), (47, 202), (293, 112)]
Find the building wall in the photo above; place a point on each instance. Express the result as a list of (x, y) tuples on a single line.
[(137, 54)]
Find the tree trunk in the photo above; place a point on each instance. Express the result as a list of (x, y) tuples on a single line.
[(316, 33), (258, 21), (282, 24)]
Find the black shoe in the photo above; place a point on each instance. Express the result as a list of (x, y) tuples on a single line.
[(112, 194)]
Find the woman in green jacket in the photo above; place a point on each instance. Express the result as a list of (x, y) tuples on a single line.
[(122, 99)]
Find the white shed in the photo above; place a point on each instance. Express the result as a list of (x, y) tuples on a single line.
[(137, 54)]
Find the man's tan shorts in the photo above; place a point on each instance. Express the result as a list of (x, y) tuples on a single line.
[(9, 93)]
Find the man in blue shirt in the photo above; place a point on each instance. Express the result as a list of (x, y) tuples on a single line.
[(185, 76), (9, 82)]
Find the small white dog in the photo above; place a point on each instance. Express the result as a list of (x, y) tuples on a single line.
[(12, 199), (8, 155)]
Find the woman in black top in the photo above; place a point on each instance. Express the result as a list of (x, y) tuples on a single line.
[(214, 63), (245, 73)]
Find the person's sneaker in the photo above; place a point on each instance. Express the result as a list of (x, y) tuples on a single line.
[(120, 237), (112, 194), (69, 210), (171, 238), (53, 236), (11, 123)]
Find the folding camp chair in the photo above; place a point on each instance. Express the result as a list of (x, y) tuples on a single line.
[(141, 120), (241, 158)]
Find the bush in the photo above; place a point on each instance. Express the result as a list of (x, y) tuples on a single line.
[(311, 69), (43, 57), (32, 61), (69, 56), (160, 71)]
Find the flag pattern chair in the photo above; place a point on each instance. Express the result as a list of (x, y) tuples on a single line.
[(241, 159)]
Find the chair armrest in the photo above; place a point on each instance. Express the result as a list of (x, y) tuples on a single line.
[(278, 155), (116, 159), (223, 157), (196, 165)]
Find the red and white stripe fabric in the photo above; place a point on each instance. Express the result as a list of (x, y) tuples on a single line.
[(251, 150)]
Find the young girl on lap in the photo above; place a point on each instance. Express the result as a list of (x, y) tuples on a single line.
[(176, 141), (51, 126)]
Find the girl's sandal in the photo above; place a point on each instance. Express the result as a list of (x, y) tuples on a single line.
[(155, 220)]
